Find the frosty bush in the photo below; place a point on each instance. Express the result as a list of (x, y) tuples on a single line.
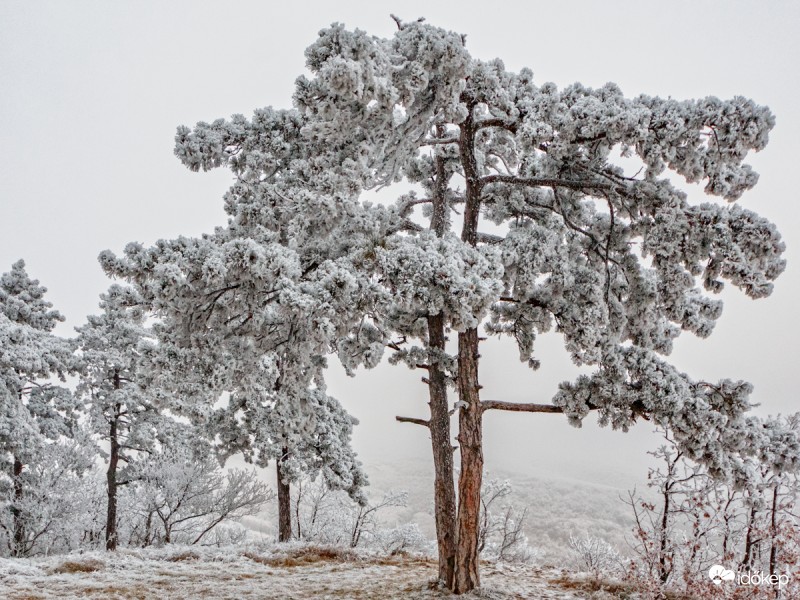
[(328, 516), (594, 555), (403, 538), (60, 504), (181, 497), (501, 536)]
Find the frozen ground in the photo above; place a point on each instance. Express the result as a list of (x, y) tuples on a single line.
[(263, 572)]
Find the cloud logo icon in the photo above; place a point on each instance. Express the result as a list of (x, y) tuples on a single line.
[(718, 574)]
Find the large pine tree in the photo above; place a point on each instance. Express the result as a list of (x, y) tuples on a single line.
[(550, 233)]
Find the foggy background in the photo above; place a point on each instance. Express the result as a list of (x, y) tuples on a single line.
[(91, 94)]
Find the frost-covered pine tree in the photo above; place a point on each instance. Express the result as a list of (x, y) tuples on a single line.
[(54, 507), (32, 410), (254, 308), (302, 428), (617, 261), (119, 410)]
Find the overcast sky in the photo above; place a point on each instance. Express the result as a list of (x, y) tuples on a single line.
[(91, 94)]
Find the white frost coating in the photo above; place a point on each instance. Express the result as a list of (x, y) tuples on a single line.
[(619, 263), (432, 275), (31, 409), (112, 377)]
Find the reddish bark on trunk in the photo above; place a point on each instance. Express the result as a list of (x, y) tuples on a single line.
[(470, 440)]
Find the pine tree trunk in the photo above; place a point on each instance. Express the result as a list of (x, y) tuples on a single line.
[(111, 473), (470, 440), (148, 530), (749, 542), (284, 501), (773, 550), (663, 569), (111, 479), (470, 435), (19, 521), (444, 492), (444, 488)]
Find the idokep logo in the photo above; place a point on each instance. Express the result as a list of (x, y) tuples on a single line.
[(718, 574)]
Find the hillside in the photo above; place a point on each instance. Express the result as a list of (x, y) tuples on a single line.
[(557, 506)]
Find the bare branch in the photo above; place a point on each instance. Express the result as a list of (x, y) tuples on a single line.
[(520, 407), (422, 422), (637, 408)]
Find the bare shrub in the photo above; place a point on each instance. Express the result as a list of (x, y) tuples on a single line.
[(594, 555)]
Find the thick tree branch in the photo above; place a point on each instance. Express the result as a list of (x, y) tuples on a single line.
[(405, 225), (531, 301), (489, 238), (520, 407), (497, 122), (439, 141), (637, 408), (573, 184), (422, 422)]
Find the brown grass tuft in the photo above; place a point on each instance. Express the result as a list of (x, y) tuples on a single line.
[(591, 585), (623, 590), (182, 556), (304, 556), (74, 566), (404, 560)]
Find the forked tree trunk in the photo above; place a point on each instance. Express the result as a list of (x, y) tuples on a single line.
[(443, 485), (470, 441), (284, 500)]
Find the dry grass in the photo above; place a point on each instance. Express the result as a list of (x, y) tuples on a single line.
[(113, 591), (618, 589), (76, 566), (591, 584), (183, 556), (288, 573), (304, 556), (404, 560)]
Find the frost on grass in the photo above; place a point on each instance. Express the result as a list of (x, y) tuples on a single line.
[(294, 570)]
